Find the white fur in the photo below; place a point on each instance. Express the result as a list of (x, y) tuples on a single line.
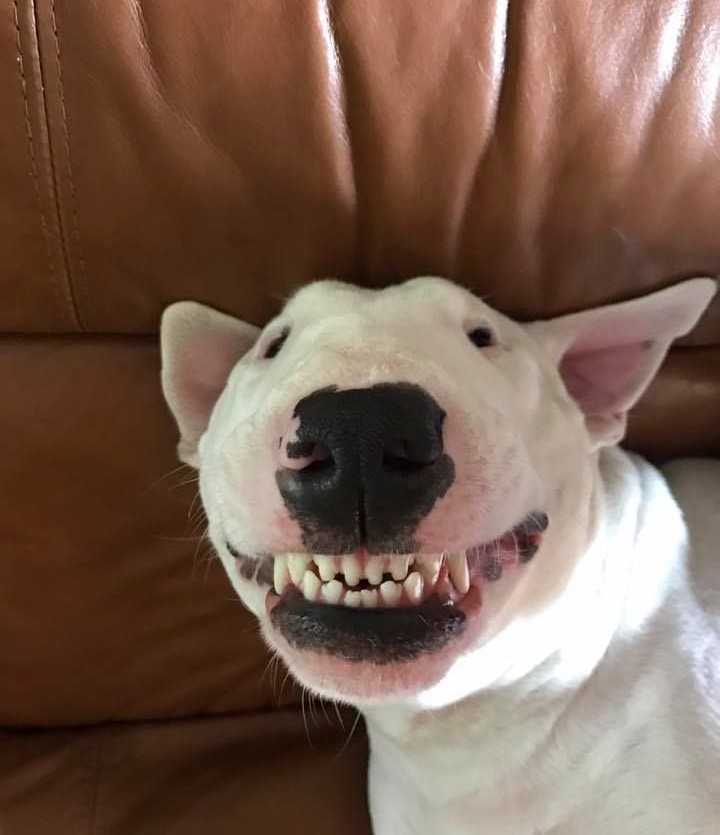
[(590, 702)]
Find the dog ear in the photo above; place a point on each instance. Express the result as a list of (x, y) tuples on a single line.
[(199, 348), (607, 356)]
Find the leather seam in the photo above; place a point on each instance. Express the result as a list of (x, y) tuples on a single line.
[(74, 288), (31, 155), (344, 112)]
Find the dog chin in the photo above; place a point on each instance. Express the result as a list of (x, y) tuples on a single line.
[(345, 676)]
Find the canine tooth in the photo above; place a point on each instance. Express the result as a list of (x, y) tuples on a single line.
[(374, 570), (399, 567), (414, 587), (326, 568), (390, 593), (369, 598), (310, 586), (281, 576), (429, 566), (351, 570), (297, 565), (332, 592), (353, 598), (458, 568)]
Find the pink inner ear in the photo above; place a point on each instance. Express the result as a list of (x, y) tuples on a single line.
[(607, 379)]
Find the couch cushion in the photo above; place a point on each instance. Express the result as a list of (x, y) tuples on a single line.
[(252, 774), (551, 154), (110, 607)]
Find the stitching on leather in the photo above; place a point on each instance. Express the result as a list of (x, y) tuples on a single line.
[(31, 154), (74, 289)]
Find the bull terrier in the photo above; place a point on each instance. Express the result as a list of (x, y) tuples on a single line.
[(425, 506)]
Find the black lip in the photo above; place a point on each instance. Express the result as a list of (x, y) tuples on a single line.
[(381, 636)]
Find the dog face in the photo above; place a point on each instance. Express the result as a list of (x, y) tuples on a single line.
[(399, 482)]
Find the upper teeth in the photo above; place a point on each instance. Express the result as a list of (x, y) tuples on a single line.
[(458, 568), (332, 579)]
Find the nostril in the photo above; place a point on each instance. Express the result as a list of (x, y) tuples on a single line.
[(308, 456), (401, 456)]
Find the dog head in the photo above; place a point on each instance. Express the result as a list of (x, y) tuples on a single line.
[(394, 479)]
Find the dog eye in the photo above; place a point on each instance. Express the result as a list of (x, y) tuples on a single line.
[(481, 337), (274, 348)]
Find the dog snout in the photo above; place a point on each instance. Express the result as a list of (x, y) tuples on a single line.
[(364, 466)]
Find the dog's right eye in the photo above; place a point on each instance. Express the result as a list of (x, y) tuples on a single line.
[(274, 347), (481, 337)]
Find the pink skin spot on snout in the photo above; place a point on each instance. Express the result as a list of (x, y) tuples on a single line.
[(316, 454), (297, 455), (287, 530)]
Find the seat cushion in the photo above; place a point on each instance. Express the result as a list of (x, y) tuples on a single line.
[(254, 774)]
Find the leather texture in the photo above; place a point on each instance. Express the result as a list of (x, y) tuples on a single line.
[(549, 154), (241, 774)]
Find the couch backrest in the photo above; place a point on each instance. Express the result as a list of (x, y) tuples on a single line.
[(550, 154)]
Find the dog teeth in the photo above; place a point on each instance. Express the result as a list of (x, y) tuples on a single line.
[(281, 575), (369, 598), (429, 566), (351, 570), (413, 587), (399, 567), (332, 592), (311, 586), (327, 568), (390, 592), (374, 569), (340, 580), (458, 570), (353, 599), (298, 564)]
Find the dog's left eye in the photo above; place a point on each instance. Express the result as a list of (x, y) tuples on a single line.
[(481, 337), (274, 347)]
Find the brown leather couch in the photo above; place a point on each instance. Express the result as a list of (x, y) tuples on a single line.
[(551, 154)]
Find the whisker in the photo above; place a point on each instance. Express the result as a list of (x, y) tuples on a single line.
[(199, 523), (339, 715), (282, 686), (193, 509), (267, 669), (163, 477), (209, 560), (350, 735), (312, 700), (304, 716), (180, 484), (196, 554), (276, 674)]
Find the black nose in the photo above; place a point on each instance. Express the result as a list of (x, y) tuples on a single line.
[(376, 467)]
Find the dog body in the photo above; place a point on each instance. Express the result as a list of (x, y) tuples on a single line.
[(617, 728), (424, 504)]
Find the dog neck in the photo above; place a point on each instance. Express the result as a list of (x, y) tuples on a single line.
[(524, 679)]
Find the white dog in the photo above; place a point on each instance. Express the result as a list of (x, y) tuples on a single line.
[(424, 504)]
